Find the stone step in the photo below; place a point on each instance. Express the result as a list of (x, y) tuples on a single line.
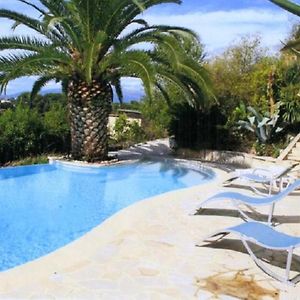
[(294, 144), (296, 152), (294, 157)]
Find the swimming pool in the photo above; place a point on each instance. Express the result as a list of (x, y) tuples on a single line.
[(45, 207)]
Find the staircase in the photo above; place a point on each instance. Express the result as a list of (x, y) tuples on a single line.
[(292, 151), (295, 153)]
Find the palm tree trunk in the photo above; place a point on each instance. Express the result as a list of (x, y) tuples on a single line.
[(89, 107)]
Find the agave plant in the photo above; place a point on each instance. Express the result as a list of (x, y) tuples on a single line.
[(88, 46), (264, 127)]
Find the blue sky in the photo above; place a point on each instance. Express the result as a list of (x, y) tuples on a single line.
[(219, 23)]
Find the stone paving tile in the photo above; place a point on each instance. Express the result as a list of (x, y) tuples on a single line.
[(154, 250)]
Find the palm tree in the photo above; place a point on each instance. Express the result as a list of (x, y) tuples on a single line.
[(293, 8), (290, 6), (88, 46)]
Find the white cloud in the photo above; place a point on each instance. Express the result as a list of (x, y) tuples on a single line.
[(219, 28)]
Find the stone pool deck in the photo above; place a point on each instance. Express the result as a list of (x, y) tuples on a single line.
[(154, 250)]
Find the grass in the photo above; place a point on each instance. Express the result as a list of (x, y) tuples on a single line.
[(32, 160)]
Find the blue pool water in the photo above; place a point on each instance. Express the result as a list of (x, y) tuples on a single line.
[(44, 207)]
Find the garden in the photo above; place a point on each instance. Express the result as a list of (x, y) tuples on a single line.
[(245, 98), (255, 108)]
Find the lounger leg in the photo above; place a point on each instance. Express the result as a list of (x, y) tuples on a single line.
[(289, 263), (284, 279), (271, 214), (257, 191), (270, 187), (220, 234), (281, 184), (244, 215)]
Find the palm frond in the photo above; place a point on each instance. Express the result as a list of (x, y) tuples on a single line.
[(137, 64), (140, 22), (56, 7), (199, 75), (139, 4), (34, 24), (40, 10), (24, 43), (288, 5), (168, 78), (22, 19), (39, 84), (134, 36), (164, 92), (18, 61), (86, 39)]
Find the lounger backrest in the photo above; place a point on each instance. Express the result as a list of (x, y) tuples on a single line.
[(287, 191), (287, 170)]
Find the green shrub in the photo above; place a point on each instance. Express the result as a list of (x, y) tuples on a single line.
[(26, 132), (57, 129), (121, 129), (266, 149), (136, 133), (20, 133), (157, 118), (127, 133)]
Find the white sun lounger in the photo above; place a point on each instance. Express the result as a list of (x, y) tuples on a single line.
[(272, 176), (239, 198), (267, 237)]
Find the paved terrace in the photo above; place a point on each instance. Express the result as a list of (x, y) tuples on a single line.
[(154, 250), (154, 148)]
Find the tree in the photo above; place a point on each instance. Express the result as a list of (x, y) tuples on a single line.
[(41, 102), (240, 73), (290, 93), (84, 46)]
